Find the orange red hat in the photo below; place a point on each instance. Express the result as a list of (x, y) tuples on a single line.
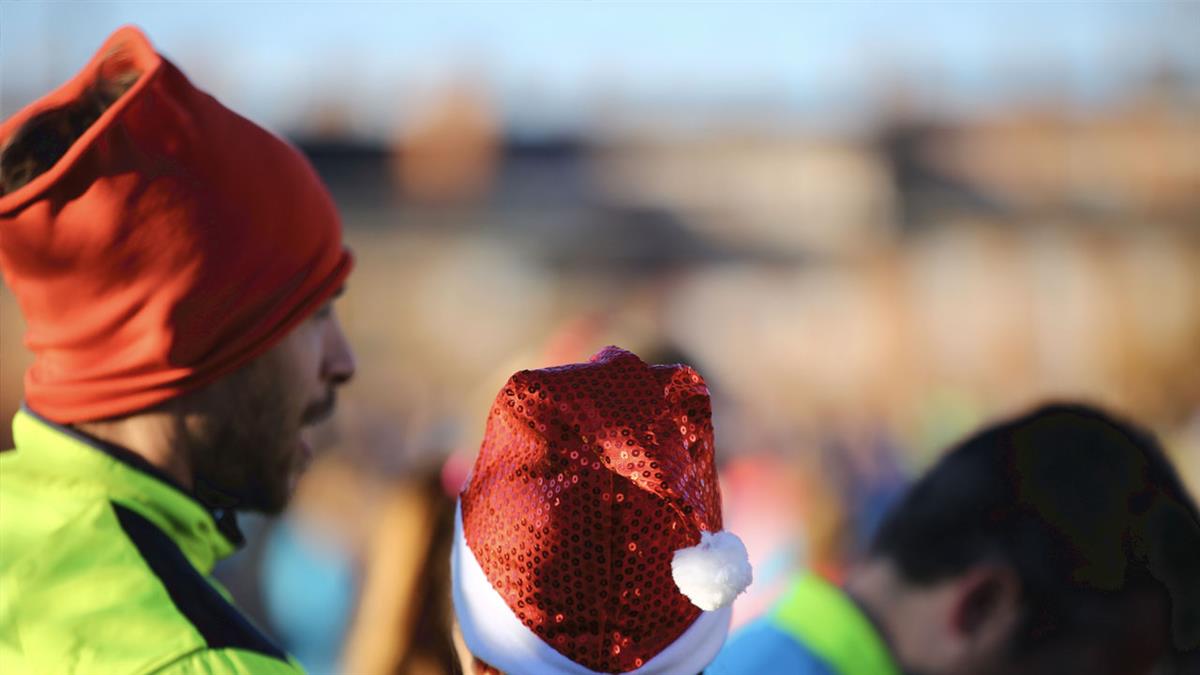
[(173, 242), (589, 536)]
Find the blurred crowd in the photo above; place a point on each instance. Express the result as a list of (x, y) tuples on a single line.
[(856, 303)]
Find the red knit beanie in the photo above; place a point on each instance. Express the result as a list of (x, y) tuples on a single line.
[(174, 242), (589, 536)]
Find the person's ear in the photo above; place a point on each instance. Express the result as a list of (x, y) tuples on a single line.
[(987, 606)]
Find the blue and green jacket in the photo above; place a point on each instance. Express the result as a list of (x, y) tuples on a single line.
[(815, 629), (105, 564)]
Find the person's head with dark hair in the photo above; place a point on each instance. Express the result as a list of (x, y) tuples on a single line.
[(1061, 541)]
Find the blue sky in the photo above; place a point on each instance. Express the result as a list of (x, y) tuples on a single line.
[(550, 62)]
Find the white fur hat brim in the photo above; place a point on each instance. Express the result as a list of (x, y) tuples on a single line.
[(494, 634)]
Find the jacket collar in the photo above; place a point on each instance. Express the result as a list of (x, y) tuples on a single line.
[(828, 621), (203, 533)]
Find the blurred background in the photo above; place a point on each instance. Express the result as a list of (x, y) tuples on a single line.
[(871, 227)]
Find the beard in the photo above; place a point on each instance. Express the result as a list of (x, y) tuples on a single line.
[(243, 435)]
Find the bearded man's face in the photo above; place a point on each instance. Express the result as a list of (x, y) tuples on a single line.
[(246, 432)]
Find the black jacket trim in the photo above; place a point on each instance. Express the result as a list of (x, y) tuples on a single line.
[(218, 622)]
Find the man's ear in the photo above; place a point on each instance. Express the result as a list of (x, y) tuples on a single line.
[(987, 606)]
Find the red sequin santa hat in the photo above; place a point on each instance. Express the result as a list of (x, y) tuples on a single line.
[(588, 538)]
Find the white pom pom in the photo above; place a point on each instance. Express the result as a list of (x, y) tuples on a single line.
[(714, 572)]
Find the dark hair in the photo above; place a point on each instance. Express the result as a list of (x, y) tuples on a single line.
[(46, 137), (1083, 506)]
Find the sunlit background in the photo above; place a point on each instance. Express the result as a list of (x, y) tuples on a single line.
[(872, 227)]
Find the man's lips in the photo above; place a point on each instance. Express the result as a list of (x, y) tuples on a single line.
[(313, 414)]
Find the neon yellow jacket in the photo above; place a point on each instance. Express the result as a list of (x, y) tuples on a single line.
[(104, 567)]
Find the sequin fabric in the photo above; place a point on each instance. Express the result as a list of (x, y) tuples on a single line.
[(589, 478)]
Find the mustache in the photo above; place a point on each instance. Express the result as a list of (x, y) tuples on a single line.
[(321, 410)]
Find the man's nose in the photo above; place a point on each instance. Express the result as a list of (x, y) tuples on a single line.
[(339, 363)]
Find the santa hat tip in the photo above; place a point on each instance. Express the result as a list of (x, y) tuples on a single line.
[(714, 572)]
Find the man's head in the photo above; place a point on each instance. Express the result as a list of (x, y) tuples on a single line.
[(175, 265), (1061, 541)]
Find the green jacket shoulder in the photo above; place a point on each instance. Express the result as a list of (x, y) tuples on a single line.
[(104, 569)]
